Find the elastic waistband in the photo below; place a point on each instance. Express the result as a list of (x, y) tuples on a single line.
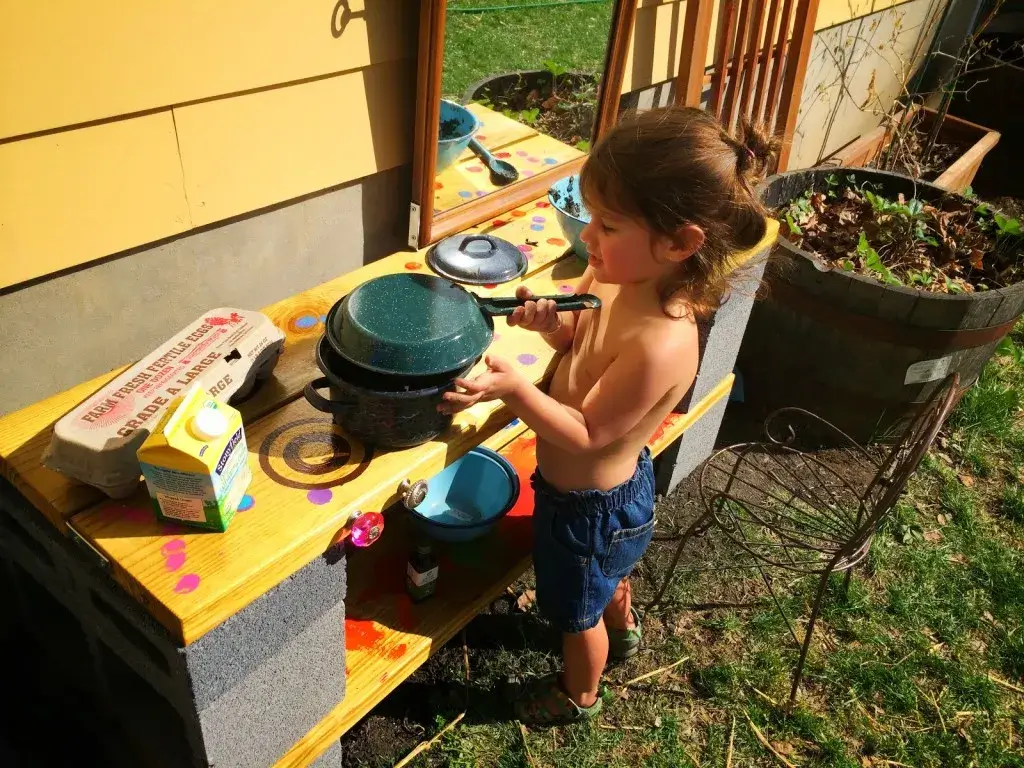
[(593, 501)]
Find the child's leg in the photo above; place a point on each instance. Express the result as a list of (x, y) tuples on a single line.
[(618, 614), (583, 658)]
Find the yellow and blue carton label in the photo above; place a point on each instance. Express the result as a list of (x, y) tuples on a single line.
[(196, 462)]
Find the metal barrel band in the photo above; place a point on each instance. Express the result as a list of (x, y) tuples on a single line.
[(892, 332)]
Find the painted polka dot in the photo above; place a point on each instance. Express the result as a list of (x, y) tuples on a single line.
[(480, 193), (525, 248), (465, 193), (247, 503), (550, 161), (526, 358), (174, 561), (323, 318), (556, 241), (518, 214), (513, 423), (498, 223), (538, 219), (537, 227), (413, 265), (438, 185), (528, 172), (503, 154), (475, 168), (481, 137), (565, 288), (174, 545), (187, 583), (497, 336), (319, 496), (522, 153), (490, 285), (533, 159), (305, 322), (543, 204)]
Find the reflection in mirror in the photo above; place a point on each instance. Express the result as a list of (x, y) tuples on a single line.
[(520, 88)]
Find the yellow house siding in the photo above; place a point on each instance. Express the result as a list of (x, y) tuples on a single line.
[(64, 62), (250, 151), (71, 197), (658, 33)]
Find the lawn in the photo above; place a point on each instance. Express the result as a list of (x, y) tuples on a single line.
[(920, 664), (481, 44)]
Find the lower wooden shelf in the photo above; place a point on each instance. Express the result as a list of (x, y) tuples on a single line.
[(387, 636)]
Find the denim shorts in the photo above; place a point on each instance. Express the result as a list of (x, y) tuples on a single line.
[(586, 542)]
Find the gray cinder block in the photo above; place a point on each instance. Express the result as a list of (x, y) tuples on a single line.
[(241, 694), (696, 444)]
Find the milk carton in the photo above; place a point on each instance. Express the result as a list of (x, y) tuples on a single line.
[(195, 461)]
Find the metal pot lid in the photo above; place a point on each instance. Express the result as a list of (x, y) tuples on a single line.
[(477, 259), (409, 324)]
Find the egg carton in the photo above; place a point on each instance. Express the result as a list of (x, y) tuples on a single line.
[(228, 350)]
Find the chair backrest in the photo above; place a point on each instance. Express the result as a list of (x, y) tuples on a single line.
[(903, 460), (760, 61)]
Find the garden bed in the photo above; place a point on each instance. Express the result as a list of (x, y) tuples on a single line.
[(554, 102), (952, 163)]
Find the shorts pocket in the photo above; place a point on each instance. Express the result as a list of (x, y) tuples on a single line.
[(573, 534), (626, 547)]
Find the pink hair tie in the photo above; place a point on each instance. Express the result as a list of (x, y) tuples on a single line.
[(750, 153)]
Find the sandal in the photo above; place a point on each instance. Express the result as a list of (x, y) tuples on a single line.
[(624, 643), (545, 703)]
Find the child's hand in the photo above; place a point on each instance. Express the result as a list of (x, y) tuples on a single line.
[(500, 381), (540, 316)]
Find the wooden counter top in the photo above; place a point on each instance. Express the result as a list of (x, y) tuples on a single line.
[(24, 434), (292, 515)]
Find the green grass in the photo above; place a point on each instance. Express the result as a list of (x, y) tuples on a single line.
[(478, 45), (909, 667)]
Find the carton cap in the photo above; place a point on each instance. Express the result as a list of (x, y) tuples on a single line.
[(208, 424)]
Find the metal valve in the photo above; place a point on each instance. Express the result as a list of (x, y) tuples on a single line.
[(412, 493)]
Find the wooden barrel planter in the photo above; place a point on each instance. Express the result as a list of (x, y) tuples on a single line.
[(858, 352)]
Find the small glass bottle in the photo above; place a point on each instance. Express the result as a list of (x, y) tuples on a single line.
[(421, 573)]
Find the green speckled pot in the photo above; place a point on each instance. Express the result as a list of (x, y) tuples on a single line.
[(409, 324)]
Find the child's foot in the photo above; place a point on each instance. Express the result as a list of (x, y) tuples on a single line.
[(545, 703), (624, 643)]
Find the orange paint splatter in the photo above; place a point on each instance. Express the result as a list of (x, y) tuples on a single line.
[(361, 634), (398, 652), (518, 214), (556, 241), (413, 265), (438, 185)]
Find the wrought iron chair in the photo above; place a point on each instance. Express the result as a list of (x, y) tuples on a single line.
[(787, 509)]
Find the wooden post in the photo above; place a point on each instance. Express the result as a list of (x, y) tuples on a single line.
[(694, 52), (796, 69)]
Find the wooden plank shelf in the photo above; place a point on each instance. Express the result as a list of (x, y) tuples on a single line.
[(291, 516), (387, 636)]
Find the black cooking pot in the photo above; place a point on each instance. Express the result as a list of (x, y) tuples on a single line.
[(415, 325), (385, 410)]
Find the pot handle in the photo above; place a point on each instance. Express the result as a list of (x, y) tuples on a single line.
[(506, 306), (320, 402)]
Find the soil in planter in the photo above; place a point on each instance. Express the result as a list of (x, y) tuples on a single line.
[(909, 160), (563, 106), (954, 245)]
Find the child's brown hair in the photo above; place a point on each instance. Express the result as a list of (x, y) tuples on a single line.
[(673, 166)]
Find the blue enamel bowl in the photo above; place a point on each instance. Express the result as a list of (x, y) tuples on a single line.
[(564, 196), (457, 127), (469, 497)]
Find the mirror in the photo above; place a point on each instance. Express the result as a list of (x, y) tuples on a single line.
[(511, 95)]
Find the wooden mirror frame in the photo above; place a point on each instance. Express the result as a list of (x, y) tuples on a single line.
[(424, 228)]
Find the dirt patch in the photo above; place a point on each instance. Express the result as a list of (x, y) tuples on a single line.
[(560, 105)]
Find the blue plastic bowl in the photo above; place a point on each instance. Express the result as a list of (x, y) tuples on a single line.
[(469, 497), (449, 150), (560, 193)]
